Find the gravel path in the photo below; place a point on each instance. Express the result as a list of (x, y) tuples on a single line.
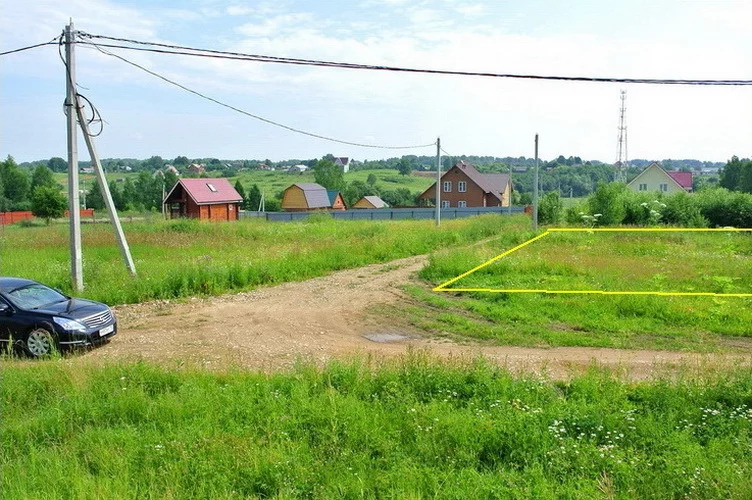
[(331, 317)]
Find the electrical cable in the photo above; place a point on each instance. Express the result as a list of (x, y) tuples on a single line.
[(196, 52), (251, 115), (96, 117), (51, 42)]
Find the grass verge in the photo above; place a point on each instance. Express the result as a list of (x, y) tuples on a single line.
[(413, 428)]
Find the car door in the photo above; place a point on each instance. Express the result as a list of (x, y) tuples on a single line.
[(13, 323)]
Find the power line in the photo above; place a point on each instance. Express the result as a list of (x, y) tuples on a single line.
[(197, 52), (29, 47), (251, 115)]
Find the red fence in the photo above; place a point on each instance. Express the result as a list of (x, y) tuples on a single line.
[(13, 217)]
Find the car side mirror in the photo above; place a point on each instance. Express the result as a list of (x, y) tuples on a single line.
[(5, 309)]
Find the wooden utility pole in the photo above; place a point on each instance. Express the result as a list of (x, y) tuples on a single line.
[(74, 209), (535, 188), (438, 181), (72, 102)]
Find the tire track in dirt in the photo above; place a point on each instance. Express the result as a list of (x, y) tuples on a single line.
[(326, 318)]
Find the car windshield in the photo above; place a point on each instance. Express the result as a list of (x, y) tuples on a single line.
[(35, 296)]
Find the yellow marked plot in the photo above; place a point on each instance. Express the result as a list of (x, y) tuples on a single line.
[(443, 287)]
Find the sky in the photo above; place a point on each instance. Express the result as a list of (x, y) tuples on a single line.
[(145, 116)]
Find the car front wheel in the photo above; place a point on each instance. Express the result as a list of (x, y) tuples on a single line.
[(40, 343)]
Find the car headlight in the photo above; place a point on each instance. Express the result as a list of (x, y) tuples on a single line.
[(69, 324)]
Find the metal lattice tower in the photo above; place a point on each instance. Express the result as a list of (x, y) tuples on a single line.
[(622, 161)]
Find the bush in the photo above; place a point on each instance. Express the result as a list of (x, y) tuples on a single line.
[(550, 209), (725, 208), (609, 201)]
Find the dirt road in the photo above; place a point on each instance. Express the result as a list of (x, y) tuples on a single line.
[(331, 317)]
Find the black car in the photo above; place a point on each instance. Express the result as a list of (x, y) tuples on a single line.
[(41, 320)]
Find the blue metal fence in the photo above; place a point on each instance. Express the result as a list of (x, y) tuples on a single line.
[(385, 213)]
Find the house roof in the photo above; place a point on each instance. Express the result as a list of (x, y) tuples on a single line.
[(200, 190), (375, 201), (332, 194), (494, 184), (343, 160), (315, 194), (684, 179)]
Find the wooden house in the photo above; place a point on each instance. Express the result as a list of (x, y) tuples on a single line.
[(370, 202), (463, 186), (654, 178), (306, 196), (206, 199)]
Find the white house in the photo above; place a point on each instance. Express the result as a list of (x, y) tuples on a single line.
[(654, 178), (344, 162)]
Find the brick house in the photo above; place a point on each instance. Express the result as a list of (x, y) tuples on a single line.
[(205, 199), (463, 186)]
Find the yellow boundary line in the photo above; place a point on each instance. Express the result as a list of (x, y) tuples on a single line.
[(443, 287)]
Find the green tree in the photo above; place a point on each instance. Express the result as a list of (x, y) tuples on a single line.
[(731, 173), (405, 166), (329, 175), (170, 179), (372, 179), (253, 199), (48, 203), (149, 190), (94, 197), (15, 183), (117, 196), (154, 163), (130, 194), (241, 190), (57, 164), (181, 161), (43, 177)]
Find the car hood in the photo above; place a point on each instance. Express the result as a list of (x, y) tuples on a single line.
[(74, 308)]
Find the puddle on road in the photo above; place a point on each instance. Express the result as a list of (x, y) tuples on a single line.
[(385, 338)]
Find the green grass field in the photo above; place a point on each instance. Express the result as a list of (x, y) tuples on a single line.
[(688, 262), (186, 257), (274, 182), (413, 429)]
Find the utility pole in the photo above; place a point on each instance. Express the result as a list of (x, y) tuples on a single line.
[(104, 187), (535, 188), (72, 102), (438, 181), (510, 189), (622, 160), (74, 210)]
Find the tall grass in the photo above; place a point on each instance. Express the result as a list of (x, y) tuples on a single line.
[(676, 262), (413, 429), (186, 257)]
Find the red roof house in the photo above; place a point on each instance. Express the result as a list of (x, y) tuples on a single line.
[(206, 199)]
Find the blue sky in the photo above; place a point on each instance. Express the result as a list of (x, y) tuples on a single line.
[(146, 117)]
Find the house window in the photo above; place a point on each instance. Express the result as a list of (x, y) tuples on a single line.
[(444, 204), (447, 186), (462, 186), (211, 187), (462, 204), (664, 187), (643, 187)]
